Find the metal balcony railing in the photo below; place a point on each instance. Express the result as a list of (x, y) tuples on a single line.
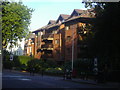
[(47, 36), (47, 56), (47, 46)]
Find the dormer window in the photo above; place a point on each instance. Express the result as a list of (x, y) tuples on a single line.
[(41, 33), (67, 28), (55, 32)]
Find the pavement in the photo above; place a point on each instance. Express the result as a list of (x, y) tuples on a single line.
[(76, 80)]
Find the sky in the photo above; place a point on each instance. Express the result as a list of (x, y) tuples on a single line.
[(45, 10)]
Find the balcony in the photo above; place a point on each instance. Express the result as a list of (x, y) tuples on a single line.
[(47, 46), (47, 37), (47, 56)]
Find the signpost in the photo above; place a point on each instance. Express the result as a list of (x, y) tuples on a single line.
[(95, 62), (11, 57), (95, 70)]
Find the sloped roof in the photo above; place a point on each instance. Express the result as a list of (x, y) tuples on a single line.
[(79, 18), (64, 16), (80, 11), (91, 10), (30, 36), (51, 22)]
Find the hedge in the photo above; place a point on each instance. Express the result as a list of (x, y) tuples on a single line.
[(24, 59)]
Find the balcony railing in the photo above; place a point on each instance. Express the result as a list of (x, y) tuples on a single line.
[(47, 46), (47, 37), (47, 56)]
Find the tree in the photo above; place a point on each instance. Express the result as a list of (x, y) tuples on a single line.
[(105, 44), (15, 21)]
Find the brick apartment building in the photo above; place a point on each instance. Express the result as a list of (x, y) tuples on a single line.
[(63, 39)]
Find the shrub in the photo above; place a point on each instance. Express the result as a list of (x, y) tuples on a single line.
[(54, 71), (25, 59), (37, 64), (16, 61), (8, 64), (67, 65), (51, 63), (23, 67)]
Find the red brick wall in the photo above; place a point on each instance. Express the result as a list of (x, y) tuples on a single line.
[(56, 46)]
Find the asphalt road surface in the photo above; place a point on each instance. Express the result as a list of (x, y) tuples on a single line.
[(21, 80)]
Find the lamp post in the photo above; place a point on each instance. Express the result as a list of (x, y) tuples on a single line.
[(72, 49)]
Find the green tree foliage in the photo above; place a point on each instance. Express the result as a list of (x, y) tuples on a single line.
[(15, 21), (6, 55), (105, 45)]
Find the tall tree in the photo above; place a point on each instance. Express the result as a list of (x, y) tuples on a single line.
[(106, 39), (15, 21)]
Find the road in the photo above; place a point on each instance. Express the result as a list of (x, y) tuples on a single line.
[(12, 79)]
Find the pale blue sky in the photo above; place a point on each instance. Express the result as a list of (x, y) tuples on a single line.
[(50, 10)]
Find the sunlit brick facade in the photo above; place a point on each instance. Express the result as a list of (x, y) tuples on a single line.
[(61, 40)]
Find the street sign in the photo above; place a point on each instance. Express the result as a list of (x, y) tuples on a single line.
[(11, 57), (0, 52)]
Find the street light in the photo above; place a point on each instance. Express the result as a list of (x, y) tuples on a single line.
[(72, 49)]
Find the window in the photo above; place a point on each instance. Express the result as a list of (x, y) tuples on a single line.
[(73, 27), (57, 41), (55, 32), (38, 33), (41, 33), (68, 38), (67, 28)]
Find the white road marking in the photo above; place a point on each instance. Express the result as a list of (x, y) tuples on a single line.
[(17, 77), (25, 79)]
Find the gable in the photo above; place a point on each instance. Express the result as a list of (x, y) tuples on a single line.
[(60, 19), (74, 13), (77, 12), (51, 22)]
